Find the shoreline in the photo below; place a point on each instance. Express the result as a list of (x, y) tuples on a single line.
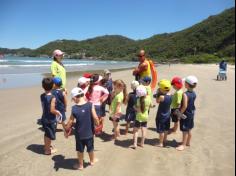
[(16, 81)]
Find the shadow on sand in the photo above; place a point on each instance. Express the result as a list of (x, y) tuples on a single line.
[(60, 162), (36, 148)]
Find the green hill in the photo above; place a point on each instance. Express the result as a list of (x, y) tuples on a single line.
[(204, 42), (214, 35)]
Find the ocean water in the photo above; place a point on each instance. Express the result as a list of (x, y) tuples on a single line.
[(27, 71)]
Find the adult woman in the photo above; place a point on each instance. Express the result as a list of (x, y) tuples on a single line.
[(57, 68)]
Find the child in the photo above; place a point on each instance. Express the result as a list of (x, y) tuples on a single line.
[(146, 81), (97, 95), (163, 114), (83, 83), (188, 109), (48, 119), (130, 111), (177, 84), (61, 101), (118, 97), (142, 107), (108, 84), (85, 115)]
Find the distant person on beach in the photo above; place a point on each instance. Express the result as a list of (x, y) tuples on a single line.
[(57, 67), (177, 84), (118, 98), (188, 109), (85, 115), (108, 84), (49, 120), (61, 100), (223, 65), (142, 108), (130, 110), (144, 68), (164, 100)]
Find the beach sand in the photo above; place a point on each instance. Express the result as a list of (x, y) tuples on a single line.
[(213, 145)]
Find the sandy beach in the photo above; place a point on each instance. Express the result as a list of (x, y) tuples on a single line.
[(212, 152)]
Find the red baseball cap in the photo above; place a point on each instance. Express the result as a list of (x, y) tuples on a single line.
[(177, 82), (88, 75)]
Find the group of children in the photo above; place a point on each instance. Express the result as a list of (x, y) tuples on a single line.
[(94, 92)]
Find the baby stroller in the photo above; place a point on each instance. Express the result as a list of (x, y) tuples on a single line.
[(222, 75)]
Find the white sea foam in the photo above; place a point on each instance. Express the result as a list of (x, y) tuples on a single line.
[(44, 65)]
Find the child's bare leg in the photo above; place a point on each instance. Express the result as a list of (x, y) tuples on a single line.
[(116, 130), (135, 138), (80, 164), (165, 137), (175, 128), (92, 158), (103, 121), (189, 138), (161, 138), (47, 145), (184, 142), (144, 131), (127, 128)]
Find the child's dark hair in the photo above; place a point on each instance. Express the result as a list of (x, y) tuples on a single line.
[(142, 103), (94, 79), (47, 84), (192, 86)]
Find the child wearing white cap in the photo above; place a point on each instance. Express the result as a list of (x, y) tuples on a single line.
[(85, 115), (188, 109), (142, 108)]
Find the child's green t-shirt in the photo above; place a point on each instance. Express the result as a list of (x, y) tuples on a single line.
[(149, 92), (177, 99), (143, 117), (117, 99)]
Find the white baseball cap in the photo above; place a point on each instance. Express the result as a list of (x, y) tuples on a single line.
[(83, 80), (192, 80), (141, 91), (76, 91), (134, 84)]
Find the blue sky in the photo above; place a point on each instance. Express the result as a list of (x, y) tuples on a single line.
[(33, 23)]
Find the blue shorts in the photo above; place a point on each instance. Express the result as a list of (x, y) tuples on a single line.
[(100, 111), (63, 116), (103, 110), (186, 124), (50, 130), (82, 143), (163, 125), (130, 116)]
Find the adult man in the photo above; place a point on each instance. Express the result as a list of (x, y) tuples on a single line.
[(144, 68)]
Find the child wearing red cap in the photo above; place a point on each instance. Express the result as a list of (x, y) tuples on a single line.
[(177, 84)]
